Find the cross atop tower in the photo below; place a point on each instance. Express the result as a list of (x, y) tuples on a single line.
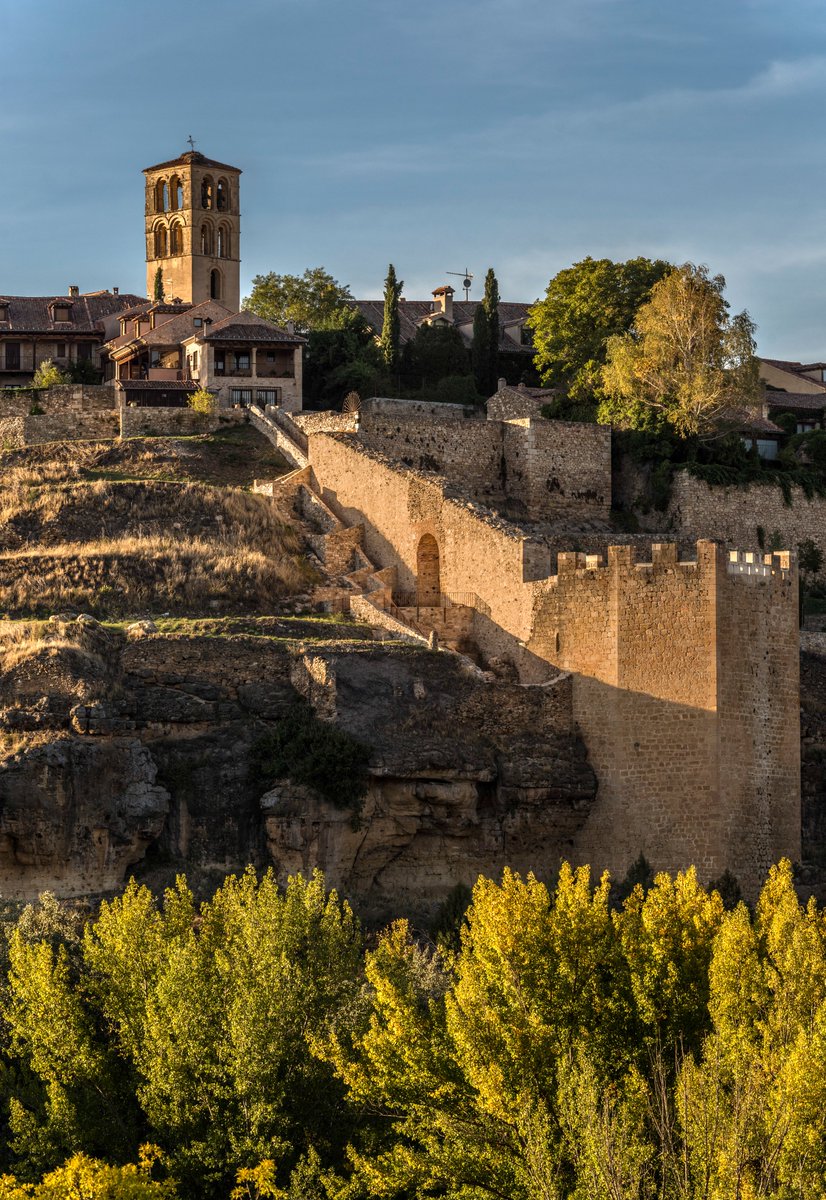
[(191, 141)]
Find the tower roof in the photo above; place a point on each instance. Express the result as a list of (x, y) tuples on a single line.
[(192, 158)]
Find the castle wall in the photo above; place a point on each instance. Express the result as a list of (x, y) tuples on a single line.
[(63, 399), (733, 514), (685, 688), (557, 467), (484, 563), (162, 422), (469, 454), (422, 410)]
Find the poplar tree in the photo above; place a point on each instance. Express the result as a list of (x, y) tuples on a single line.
[(389, 341), (157, 291)]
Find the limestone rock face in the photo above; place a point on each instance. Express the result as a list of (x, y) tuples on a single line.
[(75, 814), (147, 755)]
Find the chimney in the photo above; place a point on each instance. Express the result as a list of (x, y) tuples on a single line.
[(115, 291), (74, 290), (500, 383), (289, 326), (443, 297)]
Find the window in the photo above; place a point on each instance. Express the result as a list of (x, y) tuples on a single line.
[(84, 351), (161, 196), (160, 242), (215, 285), (176, 235), (194, 360), (222, 196), (61, 312), (60, 350), (206, 193), (223, 242), (197, 322), (12, 356), (176, 191), (4, 312), (220, 364), (242, 361), (241, 395), (206, 239), (154, 358), (269, 396)]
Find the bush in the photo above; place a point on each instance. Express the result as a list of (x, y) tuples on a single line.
[(48, 374), (202, 402), (311, 752)]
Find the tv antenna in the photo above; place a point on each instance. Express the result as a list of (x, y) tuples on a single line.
[(466, 278)]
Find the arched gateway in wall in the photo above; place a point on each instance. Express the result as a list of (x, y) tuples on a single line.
[(428, 582)]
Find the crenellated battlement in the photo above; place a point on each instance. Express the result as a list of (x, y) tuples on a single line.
[(664, 558)]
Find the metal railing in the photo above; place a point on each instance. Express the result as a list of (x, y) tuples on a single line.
[(443, 600)]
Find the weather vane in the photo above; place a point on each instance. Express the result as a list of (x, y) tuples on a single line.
[(191, 141)]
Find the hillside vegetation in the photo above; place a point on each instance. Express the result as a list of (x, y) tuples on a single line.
[(146, 526)]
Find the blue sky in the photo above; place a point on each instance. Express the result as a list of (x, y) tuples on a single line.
[(518, 134)]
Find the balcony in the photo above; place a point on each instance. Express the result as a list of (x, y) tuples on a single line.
[(173, 373), (233, 372)]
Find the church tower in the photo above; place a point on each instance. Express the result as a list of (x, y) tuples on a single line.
[(193, 222)]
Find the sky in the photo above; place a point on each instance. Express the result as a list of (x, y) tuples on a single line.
[(518, 134)]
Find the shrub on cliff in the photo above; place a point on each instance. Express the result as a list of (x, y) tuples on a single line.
[(315, 754)]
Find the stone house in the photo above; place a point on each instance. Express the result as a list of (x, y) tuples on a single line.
[(165, 352), (66, 329), (795, 387)]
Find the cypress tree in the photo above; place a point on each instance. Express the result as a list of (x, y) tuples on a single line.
[(157, 292), (490, 305), (389, 342), (480, 350)]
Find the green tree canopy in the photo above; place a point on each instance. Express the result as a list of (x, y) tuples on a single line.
[(686, 363), (389, 340), (584, 306), (314, 300)]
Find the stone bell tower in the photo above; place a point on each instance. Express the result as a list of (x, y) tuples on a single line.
[(193, 223)]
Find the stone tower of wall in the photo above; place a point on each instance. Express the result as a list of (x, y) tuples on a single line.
[(193, 224), (686, 684)]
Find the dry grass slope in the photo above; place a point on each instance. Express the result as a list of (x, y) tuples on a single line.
[(122, 547)]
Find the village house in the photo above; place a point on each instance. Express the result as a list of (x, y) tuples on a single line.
[(69, 330), (797, 388), (515, 341)]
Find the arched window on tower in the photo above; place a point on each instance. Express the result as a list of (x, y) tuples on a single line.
[(206, 192), (215, 285), (222, 195), (176, 193), (160, 242), (161, 196), (206, 238), (176, 238), (223, 242)]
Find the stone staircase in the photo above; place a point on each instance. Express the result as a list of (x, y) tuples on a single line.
[(355, 585)]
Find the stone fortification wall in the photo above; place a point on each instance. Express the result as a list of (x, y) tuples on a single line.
[(469, 454), (685, 686), (67, 398), (422, 410), (325, 422), (162, 422), (486, 563), (16, 432), (556, 468), (541, 468), (734, 514)]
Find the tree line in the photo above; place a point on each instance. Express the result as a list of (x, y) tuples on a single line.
[(556, 1043)]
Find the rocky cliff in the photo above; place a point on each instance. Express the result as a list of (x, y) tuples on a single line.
[(141, 752)]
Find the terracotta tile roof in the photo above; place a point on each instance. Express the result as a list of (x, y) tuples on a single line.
[(179, 325), (413, 312), (797, 368), (811, 401), (750, 422), (192, 158), (249, 327), (30, 314)]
